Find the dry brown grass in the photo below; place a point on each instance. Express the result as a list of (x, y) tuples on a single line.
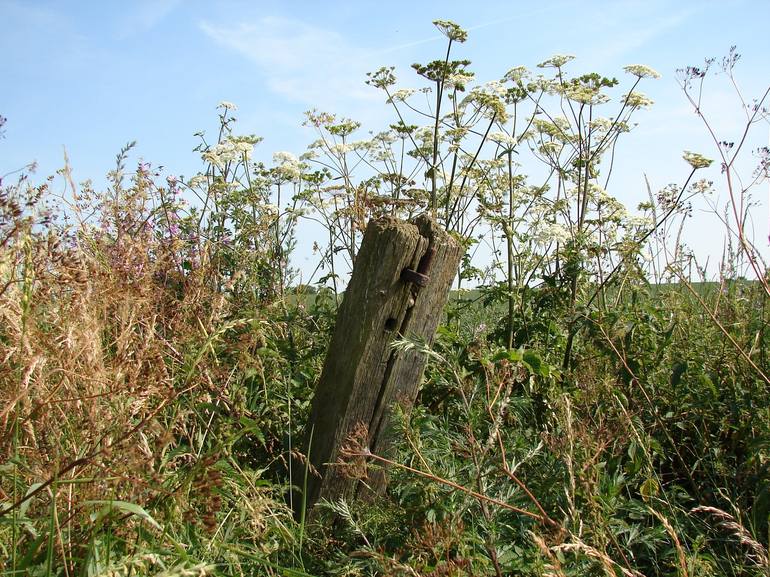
[(98, 336)]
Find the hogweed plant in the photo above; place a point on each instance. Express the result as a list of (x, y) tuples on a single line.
[(247, 211), (573, 276), (593, 411), (565, 228)]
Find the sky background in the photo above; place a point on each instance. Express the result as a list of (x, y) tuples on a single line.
[(93, 75)]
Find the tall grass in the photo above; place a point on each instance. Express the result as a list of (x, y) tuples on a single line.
[(589, 410)]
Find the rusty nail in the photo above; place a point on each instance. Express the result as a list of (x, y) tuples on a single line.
[(420, 277), (426, 261), (414, 277)]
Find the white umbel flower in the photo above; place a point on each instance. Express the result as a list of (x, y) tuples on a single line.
[(641, 71)]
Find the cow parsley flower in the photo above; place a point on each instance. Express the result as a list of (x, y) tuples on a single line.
[(386, 137), (460, 80), (232, 149), (518, 74), (559, 128), (284, 157), (383, 154), (638, 221), (600, 124), (451, 30), (494, 88), (556, 61), (198, 181), (597, 193), (318, 119), (245, 148), (551, 148), (696, 160), (551, 232), (641, 71), (225, 105), (400, 95), (496, 163), (424, 134), (585, 94), (220, 154), (340, 149), (288, 167), (639, 100), (703, 186), (503, 139)]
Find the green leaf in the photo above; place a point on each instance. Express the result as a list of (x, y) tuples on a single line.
[(649, 488), (124, 506), (514, 355), (25, 504), (32, 554), (534, 361), (677, 372), (250, 427)]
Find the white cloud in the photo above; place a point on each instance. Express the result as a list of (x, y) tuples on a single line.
[(151, 12), (279, 43), (40, 38), (625, 29), (631, 40), (301, 62), (144, 15)]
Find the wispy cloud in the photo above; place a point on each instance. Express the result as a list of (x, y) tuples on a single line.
[(312, 65), (631, 40), (301, 62), (616, 38), (145, 15), (521, 15), (41, 37)]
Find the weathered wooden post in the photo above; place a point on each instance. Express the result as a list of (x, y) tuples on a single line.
[(399, 286)]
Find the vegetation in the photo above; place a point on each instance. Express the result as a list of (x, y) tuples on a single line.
[(598, 405)]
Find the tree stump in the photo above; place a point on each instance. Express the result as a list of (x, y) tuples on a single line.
[(399, 286)]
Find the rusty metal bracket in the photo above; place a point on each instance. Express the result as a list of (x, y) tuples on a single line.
[(420, 277)]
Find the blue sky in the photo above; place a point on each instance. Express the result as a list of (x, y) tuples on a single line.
[(93, 75)]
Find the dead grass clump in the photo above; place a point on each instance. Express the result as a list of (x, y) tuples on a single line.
[(101, 337)]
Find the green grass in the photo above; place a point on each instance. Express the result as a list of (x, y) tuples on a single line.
[(157, 370)]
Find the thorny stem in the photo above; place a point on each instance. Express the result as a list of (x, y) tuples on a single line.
[(538, 517), (722, 328), (508, 231), (634, 379)]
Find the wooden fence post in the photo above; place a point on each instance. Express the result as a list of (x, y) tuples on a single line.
[(399, 287)]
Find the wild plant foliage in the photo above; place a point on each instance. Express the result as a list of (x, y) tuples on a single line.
[(595, 405)]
